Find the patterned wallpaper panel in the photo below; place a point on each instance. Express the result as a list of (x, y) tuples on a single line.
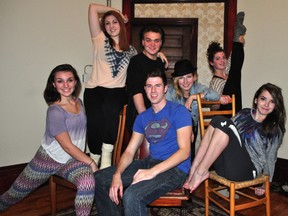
[(210, 20)]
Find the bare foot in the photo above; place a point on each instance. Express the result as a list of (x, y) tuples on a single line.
[(186, 185), (259, 191), (191, 173), (196, 180)]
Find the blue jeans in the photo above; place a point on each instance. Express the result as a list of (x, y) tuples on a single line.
[(136, 197)]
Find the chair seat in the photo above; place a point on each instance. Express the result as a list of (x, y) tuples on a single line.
[(175, 192), (238, 185), (63, 182), (232, 186), (178, 193), (176, 197)]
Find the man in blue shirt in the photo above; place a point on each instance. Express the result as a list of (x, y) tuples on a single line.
[(167, 127)]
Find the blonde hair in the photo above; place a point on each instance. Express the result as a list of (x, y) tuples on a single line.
[(178, 91)]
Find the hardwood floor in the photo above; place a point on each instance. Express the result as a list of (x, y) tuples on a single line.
[(38, 203)]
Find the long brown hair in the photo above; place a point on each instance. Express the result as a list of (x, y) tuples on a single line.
[(123, 42), (277, 118)]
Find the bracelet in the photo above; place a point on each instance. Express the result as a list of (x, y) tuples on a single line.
[(91, 162)]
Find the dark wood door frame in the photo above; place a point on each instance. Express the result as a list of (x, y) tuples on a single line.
[(230, 10)]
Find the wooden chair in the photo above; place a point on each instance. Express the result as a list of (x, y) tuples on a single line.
[(57, 180), (206, 114), (247, 199), (120, 137), (176, 198)]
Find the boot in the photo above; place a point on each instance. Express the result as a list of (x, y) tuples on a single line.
[(106, 156), (239, 28), (95, 157)]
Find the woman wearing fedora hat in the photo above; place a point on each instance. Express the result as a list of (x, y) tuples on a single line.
[(184, 90)]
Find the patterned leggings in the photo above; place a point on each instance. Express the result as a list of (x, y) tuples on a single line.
[(38, 171)]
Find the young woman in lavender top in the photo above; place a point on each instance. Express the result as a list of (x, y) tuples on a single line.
[(62, 147)]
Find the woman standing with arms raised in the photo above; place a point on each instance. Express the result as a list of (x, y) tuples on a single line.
[(105, 94)]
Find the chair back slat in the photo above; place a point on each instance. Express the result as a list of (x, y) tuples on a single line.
[(206, 114), (120, 136)]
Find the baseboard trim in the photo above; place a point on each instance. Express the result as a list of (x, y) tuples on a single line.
[(8, 174), (281, 170)]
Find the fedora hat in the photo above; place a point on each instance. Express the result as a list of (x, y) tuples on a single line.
[(183, 67)]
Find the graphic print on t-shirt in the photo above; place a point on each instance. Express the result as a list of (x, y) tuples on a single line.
[(155, 131)]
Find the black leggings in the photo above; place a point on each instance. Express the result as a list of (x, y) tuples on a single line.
[(193, 144), (103, 106), (233, 83), (234, 163)]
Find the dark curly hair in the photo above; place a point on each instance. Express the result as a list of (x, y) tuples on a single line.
[(213, 48)]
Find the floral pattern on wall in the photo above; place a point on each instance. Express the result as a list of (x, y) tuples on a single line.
[(210, 25)]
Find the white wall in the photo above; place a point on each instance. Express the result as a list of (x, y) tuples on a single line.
[(37, 35), (265, 50)]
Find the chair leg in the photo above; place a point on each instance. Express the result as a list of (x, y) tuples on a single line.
[(267, 194), (53, 195), (232, 199), (206, 197)]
